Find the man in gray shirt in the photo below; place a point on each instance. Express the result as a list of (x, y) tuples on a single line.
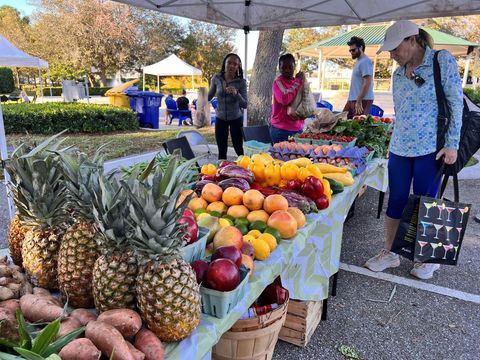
[(360, 97)]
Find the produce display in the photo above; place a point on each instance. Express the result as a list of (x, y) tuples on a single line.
[(323, 136)]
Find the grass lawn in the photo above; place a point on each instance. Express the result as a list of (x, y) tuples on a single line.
[(121, 143)]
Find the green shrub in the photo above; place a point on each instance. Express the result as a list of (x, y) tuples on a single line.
[(7, 84), (51, 118), (56, 91), (473, 94), (95, 91)]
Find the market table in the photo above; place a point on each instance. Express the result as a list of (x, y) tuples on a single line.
[(305, 264)]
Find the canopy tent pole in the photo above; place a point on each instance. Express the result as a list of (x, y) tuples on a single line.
[(245, 71), (298, 62), (394, 66), (465, 72), (50, 81), (40, 76), (4, 157), (319, 70), (475, 68), (158, 83), (143, 82), (374, 69), (192, 81), (324, 64)]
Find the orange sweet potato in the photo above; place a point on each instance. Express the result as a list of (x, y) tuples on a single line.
[(11, 305), (148, 343), (40, 308), (135, 352), (83, 315), (80, 349), (109, 340), (127, 321), (68, 325)]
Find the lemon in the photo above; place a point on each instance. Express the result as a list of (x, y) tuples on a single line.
[(255, 233), (202, 215), (270, 240), (224, 222), (262, 250), (248, 238)]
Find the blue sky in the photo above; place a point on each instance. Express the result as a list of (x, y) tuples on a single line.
[(27, 7)]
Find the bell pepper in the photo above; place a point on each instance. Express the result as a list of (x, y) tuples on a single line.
[(244, 161), (312, 187), (322, 202), (272, 174), (303, 173), (258, 170), (327, 190), (289, 171), (315, 171), (294, 184), (208, 169)]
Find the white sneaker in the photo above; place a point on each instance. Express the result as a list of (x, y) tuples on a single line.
[(424, 271), (384, 260)]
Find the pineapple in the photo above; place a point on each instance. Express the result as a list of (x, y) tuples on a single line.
[(39, 195), (16, 234), (79, 249), (115, 270), (168, 295)]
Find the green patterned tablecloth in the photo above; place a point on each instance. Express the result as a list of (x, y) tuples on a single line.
[(305, 264)]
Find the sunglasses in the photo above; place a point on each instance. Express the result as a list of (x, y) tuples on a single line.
[(353, 50), (419, 81)]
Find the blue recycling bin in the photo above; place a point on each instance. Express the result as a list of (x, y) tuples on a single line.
[(147, 106)]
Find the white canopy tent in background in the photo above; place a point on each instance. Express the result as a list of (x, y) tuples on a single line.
[(170, 66), (13, 57)]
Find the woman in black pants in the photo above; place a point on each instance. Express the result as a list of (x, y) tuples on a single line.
[(230, 89)]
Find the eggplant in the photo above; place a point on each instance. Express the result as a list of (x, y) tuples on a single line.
[(234, 171), (295, 199), (240, 183), (200, 184)]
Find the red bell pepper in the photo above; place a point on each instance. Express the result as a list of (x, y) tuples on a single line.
[(294, 184), (322, 202), (312, 187)]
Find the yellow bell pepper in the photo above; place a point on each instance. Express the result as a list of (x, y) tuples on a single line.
[(258, 170), (243, 161), (273, 174), (208, 169), (303, 173), (315, 171), (289, 171), (327, 190)]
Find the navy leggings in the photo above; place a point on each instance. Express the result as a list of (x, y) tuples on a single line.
[(401, 171)]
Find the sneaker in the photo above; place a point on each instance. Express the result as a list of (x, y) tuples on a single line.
[(424, 271), (384, 260)]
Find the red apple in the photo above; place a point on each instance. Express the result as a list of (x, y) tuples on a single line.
[(247, 249), (228, 252), (223, 275), (200, 267), (188, 213), (191, 231)]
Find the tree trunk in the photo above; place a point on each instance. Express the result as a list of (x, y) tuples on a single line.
[(263, 74), (103, 78)]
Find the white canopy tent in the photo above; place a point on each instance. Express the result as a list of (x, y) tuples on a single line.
[(171, 66), (13, 57)]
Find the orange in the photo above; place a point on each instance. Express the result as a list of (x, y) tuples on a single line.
[(217, 206), (197, 203), (257, 215), (275, 202), (232, 196), (298, 215), (184, 194), (253, 199), (238, 211), (212, 192), (284, 223)]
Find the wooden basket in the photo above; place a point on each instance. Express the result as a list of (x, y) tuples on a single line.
[(257, 344), (301, 321)]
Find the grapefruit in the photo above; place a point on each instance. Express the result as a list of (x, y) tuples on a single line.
[(298, 215), (228, 236), (275, 202), (284, 223)]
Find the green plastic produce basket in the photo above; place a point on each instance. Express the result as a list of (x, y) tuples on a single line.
[(321, 142), (300, 140), (220, 303), (345, 144), (252, 147), (196, 251)]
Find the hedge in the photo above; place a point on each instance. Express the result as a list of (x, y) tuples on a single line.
[(95, 91), (473, 94), (7, 84), (51, 118)]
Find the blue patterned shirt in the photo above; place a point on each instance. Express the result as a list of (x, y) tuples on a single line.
[(416, 110)]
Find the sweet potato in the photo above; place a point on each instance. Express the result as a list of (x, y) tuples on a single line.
[(8, 325), (40, 308), (41, 291), (135, 352), (80, 349), (11, 305), (68, 325), (83, 315), (127, 321), (6, 293), (109, 340), (148, 343)]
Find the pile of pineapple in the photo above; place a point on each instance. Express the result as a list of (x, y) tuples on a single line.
[(104, 240)]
